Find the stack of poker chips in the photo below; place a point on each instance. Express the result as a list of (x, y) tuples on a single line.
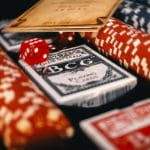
[(129, 46), (135, 13), (28, 120), (143, 2)]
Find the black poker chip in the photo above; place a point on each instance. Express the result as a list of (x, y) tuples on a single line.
[(143, 2)]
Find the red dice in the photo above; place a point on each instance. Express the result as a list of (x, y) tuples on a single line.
[(66, 38), (34, 51)]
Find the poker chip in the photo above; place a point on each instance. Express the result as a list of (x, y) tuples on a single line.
[(129, 46), (143, 2), (135, 14), (27, 117)]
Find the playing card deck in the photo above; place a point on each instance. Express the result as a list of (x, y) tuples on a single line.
[(124, 129), (12, 41), (80, 76)]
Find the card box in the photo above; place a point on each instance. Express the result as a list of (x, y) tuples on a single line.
[(124, 129), (80, 76), (12, 41)]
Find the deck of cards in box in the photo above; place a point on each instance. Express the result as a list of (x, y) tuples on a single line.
[(12, 41), (80, 76), (125, 129)]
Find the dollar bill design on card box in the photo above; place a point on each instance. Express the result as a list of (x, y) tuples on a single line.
[(80, 76), (64, 15)]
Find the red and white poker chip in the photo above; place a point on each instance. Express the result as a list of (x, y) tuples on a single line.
[(124, 43)]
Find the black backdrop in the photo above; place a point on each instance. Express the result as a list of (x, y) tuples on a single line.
[(80, 141), (13, 8)]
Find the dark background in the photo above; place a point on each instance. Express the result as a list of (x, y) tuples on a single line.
[(13, 8), (79, 141)]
